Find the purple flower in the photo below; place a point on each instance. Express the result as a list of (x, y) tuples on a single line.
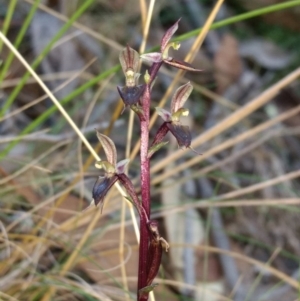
[(131, 92), (172, 119), (163, 55), (112, 170)]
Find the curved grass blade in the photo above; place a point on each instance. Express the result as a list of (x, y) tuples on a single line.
[(19, 39), (46, 50), (35, 123)]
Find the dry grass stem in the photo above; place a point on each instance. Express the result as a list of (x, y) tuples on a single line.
[(79, 26), (233, 119)]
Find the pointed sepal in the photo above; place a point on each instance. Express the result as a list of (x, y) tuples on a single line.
[(164, 114), (129, 60), (121, 166), (161, 133), (180, 97), (168, 35), (152, 57), (109, 148), (127, 184), (181, 65)]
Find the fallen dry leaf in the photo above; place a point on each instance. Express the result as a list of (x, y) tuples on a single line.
[(227, 62)]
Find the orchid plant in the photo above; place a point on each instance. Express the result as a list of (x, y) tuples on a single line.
[(138, 98)]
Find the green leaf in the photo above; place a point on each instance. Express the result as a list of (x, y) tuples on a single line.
[(156, 147)]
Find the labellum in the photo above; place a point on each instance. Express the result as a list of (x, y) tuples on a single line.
[(181, 133), (131, 95), (101, 188)]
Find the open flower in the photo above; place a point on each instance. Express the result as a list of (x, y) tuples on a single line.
[(131, 92), (113, 170), (172, 119), (163, 55)]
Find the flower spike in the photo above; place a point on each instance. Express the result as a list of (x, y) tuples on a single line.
[(138, 98)]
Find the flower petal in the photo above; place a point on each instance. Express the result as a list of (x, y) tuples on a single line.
[(122, 165), (181, 133), (129, 59), (158, 138), (131, 95), (127, 184), (181, 65), (168, 35), (109, 148), (180, 97), (153, 57), (164, 114), (101, 188)]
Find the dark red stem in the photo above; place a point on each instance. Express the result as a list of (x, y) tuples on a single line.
[(145, 193), (145, 185), (145, 162)]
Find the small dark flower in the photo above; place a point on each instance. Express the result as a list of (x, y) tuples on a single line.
[(113, 172), (111, 167), (131, 92), (172, 119), (163, 55)]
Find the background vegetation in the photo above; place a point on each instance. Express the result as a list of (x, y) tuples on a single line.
[(230, 214)]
